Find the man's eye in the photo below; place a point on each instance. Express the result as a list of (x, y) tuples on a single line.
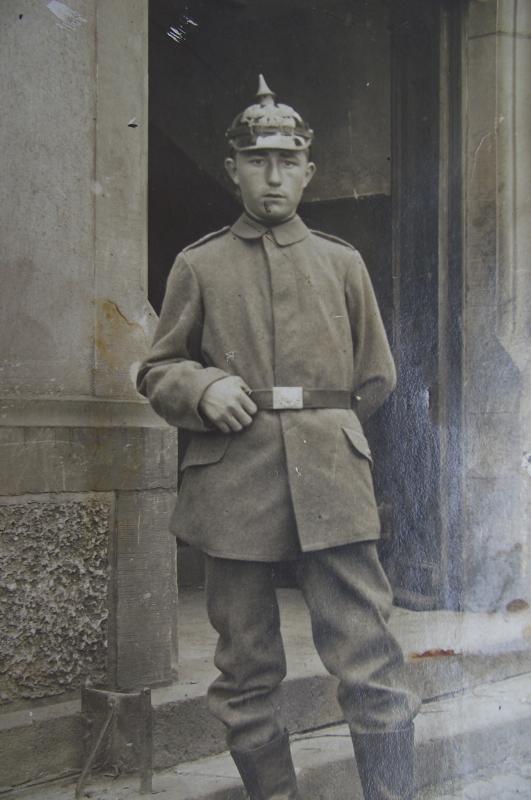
[(289, 162), (257, 161)]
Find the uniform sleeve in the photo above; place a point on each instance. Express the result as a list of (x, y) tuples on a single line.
[(374, 369), (173, 377)]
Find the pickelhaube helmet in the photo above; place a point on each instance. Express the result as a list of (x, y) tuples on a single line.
[(267, 125)]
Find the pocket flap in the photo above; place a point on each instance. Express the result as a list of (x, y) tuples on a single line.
[(205, 448), (358, 442)]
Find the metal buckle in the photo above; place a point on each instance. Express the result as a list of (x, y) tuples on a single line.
[(287, 397)]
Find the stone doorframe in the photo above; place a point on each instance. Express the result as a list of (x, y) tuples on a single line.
[(496, 105), (476, 316)]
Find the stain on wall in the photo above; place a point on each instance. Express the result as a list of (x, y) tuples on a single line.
[(116, 334), (53, 593)]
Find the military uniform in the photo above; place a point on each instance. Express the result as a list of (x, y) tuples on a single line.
[(292, 312)]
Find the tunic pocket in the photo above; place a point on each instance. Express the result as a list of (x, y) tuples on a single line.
[(359, 443), (205, 448)]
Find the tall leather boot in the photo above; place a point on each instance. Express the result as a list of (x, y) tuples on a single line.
[(267, 772), (385, 764)]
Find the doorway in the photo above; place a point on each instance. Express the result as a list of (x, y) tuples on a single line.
[(337, 62)]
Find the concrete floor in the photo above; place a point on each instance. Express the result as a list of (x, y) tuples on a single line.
[(448, 653), (420, 632), (481, 738)]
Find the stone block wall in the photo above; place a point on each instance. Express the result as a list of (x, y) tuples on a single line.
[(87, 472)]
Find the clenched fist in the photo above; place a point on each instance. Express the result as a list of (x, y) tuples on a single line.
[(227, 405)]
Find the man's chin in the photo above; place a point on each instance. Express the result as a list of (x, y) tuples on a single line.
[(272, 214)]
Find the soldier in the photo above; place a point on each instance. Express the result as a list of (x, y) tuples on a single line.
[(271, 350)]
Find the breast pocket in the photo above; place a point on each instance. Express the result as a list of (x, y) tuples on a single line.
[(359, 443), (205, 448)]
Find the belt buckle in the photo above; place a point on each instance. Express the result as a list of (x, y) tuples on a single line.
[(287, 397)]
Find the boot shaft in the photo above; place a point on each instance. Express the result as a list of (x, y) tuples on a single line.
[(385, 764), (267, 772)]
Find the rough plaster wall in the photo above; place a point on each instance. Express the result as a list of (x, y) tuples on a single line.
[(53, 593)]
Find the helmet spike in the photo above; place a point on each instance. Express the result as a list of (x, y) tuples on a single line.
[(264, 94)]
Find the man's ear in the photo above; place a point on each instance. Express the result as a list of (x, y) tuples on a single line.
[(232, 171), (310, 172)]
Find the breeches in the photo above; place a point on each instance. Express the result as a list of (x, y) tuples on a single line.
[(349, 600)]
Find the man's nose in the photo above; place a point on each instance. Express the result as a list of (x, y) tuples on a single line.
[(274, 177)]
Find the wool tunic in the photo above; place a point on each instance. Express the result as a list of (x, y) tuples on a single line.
[(283, 306)]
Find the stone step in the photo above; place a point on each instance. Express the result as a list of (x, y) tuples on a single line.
[(446, 652), (508, 780), (455, 737), (184, 729)]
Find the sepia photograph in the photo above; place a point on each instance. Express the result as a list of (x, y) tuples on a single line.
[(265, 399)]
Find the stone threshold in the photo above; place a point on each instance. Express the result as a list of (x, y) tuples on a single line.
[(446, 652), (455, 736)]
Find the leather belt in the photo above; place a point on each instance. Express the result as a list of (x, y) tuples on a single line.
[(289, 398)]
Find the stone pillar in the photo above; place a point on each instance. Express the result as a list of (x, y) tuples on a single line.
[(87, 470), (497, 315)]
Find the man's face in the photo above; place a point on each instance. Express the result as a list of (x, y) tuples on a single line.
[(271, 182)]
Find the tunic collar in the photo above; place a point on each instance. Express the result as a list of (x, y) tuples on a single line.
[(289, 232)]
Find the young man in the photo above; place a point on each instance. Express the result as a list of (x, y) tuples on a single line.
[(271, 350)]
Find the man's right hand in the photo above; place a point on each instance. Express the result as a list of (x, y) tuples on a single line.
[(227, 405)]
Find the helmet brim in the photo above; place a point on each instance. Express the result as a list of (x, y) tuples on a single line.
[(274, 141)]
